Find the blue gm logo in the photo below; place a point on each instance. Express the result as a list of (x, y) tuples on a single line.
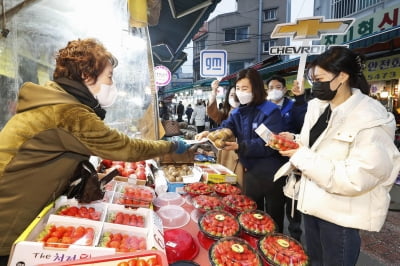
[(213, 63)]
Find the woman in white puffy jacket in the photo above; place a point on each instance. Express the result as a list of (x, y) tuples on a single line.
[(199, 116), (347, 158)]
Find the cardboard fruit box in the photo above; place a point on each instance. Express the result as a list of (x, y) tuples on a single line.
[(217, 173), (27, 250)]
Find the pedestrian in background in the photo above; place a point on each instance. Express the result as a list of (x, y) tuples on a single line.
[(292, 112), (199, 116), (188, 112), (163, 111), (180, 110), (347, 159)]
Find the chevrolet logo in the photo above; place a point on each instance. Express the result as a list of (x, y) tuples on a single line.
[(312, 28)]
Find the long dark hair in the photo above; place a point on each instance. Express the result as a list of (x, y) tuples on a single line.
[(256, 82), (226, 107), (341, 59)]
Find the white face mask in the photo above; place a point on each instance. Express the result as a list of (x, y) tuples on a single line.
[(232, 102), (244, 97), (275, 95), (106, 95)]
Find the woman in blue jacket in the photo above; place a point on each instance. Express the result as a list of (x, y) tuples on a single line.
[(260, 162)]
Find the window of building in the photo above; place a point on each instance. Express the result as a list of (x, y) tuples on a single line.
[(200, 44), (270, 14), (235, 66), (267, 44), (236, 34), (343, 8)]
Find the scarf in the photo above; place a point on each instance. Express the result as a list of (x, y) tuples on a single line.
[(82, 94)]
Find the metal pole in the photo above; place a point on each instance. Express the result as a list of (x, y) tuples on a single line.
[(260, 5)]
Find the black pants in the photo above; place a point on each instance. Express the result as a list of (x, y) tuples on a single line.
[(294, 227), (4, 260), (200, 128), (267, 194), (180, 118)]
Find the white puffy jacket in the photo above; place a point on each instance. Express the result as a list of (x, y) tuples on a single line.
[(348, 172)]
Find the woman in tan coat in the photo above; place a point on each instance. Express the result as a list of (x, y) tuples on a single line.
[(229, 159)]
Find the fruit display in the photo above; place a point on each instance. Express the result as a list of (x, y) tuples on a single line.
[(220, 136), (233, 251), (134, 196), (61, 236), (80, 212), (198, 188), (256, 223), (122, 242), (224, 189), (125, 218), (206, 203), (218, 224), (238, 203), (175, 173), (127, 169), (279, 249), (281, 143)]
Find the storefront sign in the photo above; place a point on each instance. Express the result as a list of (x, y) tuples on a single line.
[(383, 68), (307, 30), (162, 75), (213, 63), (379, 21)]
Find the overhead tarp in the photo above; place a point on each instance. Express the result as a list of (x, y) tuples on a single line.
[(179, 21)]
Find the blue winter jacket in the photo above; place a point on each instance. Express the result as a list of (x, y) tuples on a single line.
[(293, 113), (252, 150)]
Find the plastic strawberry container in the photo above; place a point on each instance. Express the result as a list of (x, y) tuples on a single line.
[(279, 249), (233, 251), (198, 188), (206, 203), (86, 211), (218, 224), (134, 196), (281, 143), (256, 223), (236, 204), (123, 240), (224, 189)]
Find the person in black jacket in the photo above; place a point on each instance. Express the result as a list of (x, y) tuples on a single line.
[(188, 112), (163, 111), (179, 111), (293, 112)]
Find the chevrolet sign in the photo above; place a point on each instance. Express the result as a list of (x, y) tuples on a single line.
[(294, 50), (312, 28)]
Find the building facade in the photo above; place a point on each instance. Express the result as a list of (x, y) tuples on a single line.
[(244, 34)]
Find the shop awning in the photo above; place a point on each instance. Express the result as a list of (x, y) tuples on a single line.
[(179, 21)]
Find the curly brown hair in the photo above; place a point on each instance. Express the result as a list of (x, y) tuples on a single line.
[(82, 59)]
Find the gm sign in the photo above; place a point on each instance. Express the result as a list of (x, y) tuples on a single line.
[(213, 63)]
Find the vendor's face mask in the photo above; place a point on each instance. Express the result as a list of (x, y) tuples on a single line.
[(107, 95)]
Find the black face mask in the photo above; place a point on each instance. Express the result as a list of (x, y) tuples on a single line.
[(322, 90)]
